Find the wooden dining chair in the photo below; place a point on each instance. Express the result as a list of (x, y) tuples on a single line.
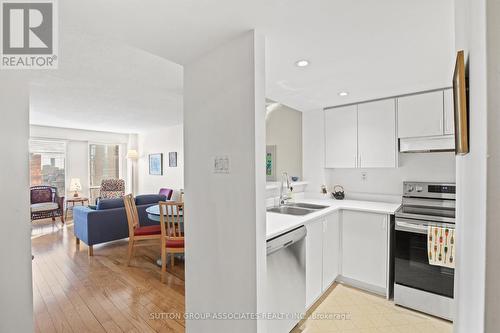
[(172, 235), (138, 236)]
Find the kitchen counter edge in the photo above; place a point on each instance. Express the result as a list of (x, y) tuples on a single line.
[(278, 224)]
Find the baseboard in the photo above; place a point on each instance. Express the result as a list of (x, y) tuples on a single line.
[(362, 285)]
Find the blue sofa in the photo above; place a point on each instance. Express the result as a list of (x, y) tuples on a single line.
[(108, 221)]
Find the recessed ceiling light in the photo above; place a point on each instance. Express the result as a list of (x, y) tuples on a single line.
[(302, 63), (343, 93)]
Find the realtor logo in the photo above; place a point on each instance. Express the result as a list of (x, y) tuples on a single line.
[(29, 38)]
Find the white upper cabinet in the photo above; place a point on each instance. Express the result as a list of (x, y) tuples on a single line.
[(377, 134), (420, 115), (366, 135), (361, 136), (341, 135), (449, 113)]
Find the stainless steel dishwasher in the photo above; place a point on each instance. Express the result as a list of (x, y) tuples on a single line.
[(286, 280)]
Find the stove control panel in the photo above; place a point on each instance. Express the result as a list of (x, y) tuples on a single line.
[(429, 190)]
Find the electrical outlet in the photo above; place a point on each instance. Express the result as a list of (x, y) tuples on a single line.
[(364, 176)]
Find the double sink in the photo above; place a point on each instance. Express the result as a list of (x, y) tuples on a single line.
[(298, 208)]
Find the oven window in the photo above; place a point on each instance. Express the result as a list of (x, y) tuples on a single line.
[(412, 268)]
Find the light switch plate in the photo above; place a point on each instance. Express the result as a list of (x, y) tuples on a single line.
[(221, 164)]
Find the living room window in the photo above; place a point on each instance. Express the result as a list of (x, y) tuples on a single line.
[(48, 164), (104, 163)]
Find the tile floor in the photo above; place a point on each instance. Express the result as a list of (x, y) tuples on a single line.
[(355, 311)]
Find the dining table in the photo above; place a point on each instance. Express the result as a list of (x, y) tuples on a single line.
[(154, 215)]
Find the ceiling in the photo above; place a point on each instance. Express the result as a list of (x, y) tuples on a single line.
[(105, 85), (118, 59)]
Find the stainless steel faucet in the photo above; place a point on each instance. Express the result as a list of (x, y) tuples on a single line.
[(284, 196)]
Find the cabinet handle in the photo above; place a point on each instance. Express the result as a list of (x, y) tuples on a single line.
[(355, 161), (359, 161)]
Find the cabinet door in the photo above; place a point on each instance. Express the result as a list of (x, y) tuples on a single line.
[(449, 113), (377, 134), (420, 115), (341, 137), (331, 249), (364, 247), (314, 250)]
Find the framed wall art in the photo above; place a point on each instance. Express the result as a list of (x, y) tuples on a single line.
[(172, 159), (156, 164)]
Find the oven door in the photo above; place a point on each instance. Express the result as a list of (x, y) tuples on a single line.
[(411, 266)]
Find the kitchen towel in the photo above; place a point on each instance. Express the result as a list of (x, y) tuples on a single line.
[(441, 246)]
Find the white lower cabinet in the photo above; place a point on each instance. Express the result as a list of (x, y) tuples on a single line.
[(348, 244), (365, 250), (314, 261), (322, 256), (331, 248)]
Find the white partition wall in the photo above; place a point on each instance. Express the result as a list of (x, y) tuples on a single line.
[(224, 120), (16, 301), (470, 35), (492, 303)]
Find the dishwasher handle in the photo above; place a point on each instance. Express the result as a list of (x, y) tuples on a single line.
[(285, 240)]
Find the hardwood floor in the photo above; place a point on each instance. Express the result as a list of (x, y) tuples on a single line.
[(75, 293)]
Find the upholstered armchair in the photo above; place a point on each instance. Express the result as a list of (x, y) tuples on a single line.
[(112, 189), (46, 203), (166, 192)]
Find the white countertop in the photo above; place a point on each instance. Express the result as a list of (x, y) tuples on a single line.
[(280, 223), (276, 185)]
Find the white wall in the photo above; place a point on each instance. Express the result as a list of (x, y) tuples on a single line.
[(313, 145), (284, 129), (168, 139), (16, 302), (224, 110), (77, 154), (470, 34), (386, 184)]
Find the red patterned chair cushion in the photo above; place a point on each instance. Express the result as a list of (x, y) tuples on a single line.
[(178, 243), (113, 185), (147, 230), (112, 188), (112, 194)]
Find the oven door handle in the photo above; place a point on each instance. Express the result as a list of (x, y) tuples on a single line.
[(411, 227)]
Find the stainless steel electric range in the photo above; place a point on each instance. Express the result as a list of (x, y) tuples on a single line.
[(419, 285)]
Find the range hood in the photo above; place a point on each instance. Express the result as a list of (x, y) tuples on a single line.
[(427, 144)]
